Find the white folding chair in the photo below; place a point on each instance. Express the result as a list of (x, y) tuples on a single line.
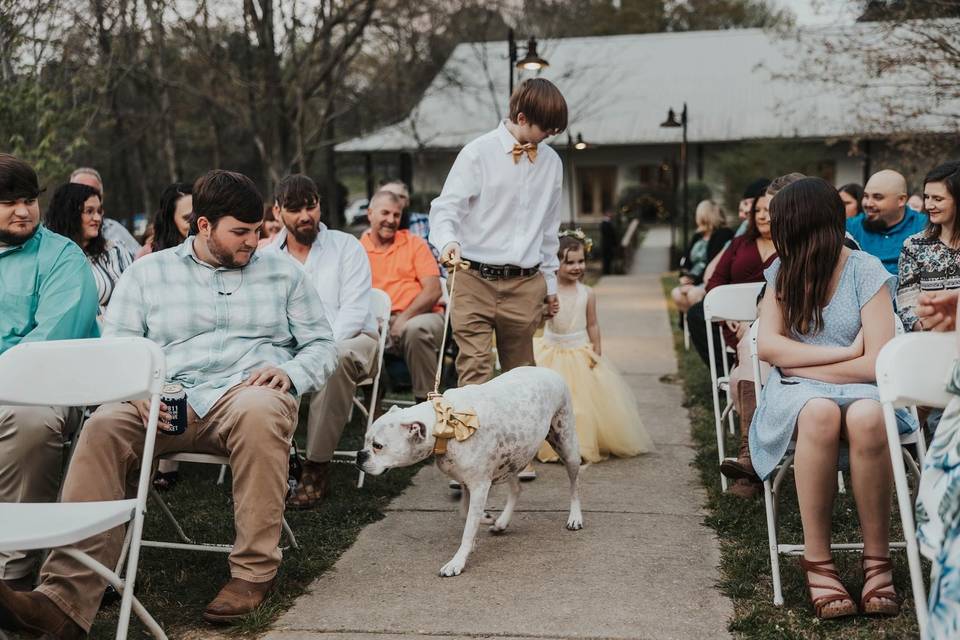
[(78, 373), (771, 488), (912, 370), (734, 303), (381, 305), (186, 542)]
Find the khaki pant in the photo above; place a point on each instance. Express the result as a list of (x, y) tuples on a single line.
[(31, 459), (512, 308), (330, 407), (420, 347), (251, 425)]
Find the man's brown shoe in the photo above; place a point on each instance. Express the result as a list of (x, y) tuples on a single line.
[(36, 614), (746, 489), (313, 487), (237, 598)]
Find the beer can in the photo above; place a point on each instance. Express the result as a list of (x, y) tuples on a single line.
[(175, 398)]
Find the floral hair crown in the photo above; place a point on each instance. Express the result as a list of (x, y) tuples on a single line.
[(579, 235)]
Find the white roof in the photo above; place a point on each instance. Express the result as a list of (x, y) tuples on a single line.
[(618, 90)]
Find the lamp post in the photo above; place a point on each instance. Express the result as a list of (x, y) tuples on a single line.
[(531, 61), (671, 122), (572, 146)]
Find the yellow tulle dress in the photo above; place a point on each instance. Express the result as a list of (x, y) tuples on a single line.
[(608, 422)]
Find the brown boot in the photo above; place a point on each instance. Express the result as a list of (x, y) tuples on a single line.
[(742, 467), (237, 599), (746, 489), (313, 486), (35, 613)]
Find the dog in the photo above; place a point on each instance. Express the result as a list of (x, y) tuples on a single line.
[(516, 412)]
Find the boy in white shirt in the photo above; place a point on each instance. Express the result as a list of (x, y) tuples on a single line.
[(500, 210)]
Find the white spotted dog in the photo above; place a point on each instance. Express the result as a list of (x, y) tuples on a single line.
[(516, 412)]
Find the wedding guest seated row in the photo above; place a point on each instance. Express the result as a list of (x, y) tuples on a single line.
[(710, 239), (245, 334)]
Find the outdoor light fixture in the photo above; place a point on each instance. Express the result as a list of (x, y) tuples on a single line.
[(531, 61), (671, 120), (672, 123), (580, 145)]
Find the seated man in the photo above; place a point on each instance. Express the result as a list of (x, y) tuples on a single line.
[(404, 267), (47, 292), (886, 220), (337, 266), (244, 334)]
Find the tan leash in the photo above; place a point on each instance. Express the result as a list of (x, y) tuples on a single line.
[(450, 423)]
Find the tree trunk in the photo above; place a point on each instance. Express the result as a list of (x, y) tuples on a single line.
[(157, 52)]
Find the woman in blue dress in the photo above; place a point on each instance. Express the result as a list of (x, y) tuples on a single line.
[(826, 313)]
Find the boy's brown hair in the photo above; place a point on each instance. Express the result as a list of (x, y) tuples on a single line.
[(542, 104)]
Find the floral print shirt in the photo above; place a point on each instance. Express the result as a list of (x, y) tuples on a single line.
[(926, 264)]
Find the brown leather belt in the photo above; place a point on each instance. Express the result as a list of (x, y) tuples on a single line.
[(501, 271)]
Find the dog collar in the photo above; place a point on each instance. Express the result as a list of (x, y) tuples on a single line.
[(451, 424)]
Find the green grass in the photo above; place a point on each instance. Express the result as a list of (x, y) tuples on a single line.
[(741, 530), (176, 586)]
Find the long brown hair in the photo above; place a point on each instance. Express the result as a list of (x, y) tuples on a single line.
[(949, 174), (807, 225)]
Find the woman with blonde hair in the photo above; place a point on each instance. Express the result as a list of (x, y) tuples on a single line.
[(711, 237)]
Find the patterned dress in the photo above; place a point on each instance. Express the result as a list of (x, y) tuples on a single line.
[(784, 397), (938, 519), (926, 264)]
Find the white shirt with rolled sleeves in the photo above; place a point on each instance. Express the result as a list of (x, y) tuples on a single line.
[(339, 270), (499, 211)]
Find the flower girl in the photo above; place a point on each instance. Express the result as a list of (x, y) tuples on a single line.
[(608, 422)]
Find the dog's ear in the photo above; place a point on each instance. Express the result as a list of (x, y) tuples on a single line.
[(393, 408), (415, 430)]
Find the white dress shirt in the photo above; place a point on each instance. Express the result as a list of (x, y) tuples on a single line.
[(501, 212), (339, 270)]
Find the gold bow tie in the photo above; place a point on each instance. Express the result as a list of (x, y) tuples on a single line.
[(519, 149), (451, 424)]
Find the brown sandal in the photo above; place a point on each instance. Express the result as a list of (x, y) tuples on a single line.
[(884, 591), (840, 593)]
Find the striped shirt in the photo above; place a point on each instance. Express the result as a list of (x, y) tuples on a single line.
[(107, 268), (216, 325)]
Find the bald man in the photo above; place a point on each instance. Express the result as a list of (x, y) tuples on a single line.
[(886, 220)]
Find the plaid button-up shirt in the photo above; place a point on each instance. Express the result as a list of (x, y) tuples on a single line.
[(216, 325)]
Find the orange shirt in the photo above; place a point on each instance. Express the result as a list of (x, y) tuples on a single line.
[(399, 268)]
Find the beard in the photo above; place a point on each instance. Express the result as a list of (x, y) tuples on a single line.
[(305, 234), (874, 226), (12, 239), (225, 257)]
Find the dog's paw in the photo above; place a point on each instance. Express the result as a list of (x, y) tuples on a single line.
[(497, 528), (451, 569), (575, 523), (487, 518)]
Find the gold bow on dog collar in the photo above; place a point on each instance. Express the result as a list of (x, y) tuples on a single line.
[(451, 424)]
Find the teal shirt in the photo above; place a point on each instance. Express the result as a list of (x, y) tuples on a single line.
[(47, 292), (887, 244)]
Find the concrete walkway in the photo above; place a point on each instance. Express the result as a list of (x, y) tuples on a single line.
[(643, 566)]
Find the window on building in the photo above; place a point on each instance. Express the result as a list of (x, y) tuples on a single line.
[(597, 187)]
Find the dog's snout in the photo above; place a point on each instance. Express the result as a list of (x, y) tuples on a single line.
[(362, 456)]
